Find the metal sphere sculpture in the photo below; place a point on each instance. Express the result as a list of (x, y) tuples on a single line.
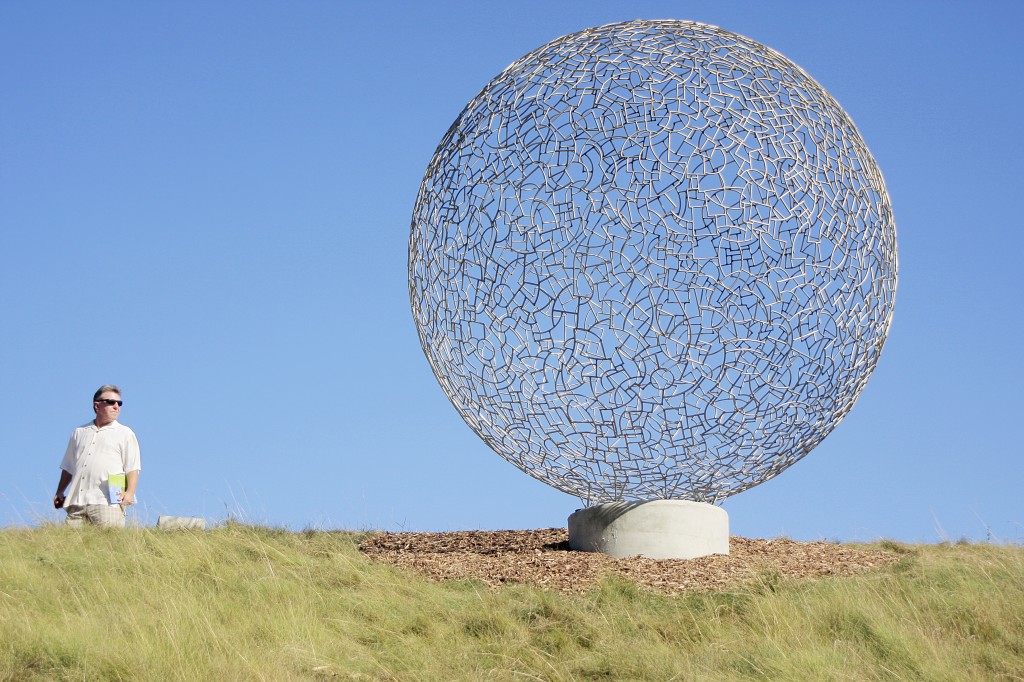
[(652, 260)]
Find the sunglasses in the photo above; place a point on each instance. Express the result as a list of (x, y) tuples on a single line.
[(110, 402)]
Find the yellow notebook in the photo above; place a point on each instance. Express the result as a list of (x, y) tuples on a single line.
[(115, 486)]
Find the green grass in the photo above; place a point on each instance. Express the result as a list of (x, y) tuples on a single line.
[(251, 603)]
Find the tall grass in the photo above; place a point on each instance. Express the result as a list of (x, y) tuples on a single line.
[(252, 603)]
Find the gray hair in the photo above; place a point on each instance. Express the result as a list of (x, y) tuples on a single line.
[(103, 389)]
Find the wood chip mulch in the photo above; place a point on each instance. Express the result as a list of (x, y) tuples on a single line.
[(543, 558)]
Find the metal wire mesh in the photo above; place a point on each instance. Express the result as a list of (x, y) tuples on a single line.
[(650, 260)]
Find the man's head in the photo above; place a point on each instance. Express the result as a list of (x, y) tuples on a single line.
[(106, 403)]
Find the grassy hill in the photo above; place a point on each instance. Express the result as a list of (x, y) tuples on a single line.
[(252, 603)]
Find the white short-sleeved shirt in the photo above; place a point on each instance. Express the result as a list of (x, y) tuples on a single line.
[(93, 454)]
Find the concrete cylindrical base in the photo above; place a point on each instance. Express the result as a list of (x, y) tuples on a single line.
[(658, 529)]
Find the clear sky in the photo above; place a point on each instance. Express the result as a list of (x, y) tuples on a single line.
[(209, 205)]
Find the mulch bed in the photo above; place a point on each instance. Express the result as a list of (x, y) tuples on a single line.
[(542, 557)]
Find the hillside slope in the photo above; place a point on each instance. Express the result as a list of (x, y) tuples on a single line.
[(252, 603)]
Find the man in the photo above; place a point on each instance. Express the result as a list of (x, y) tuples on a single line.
[(95, 451)]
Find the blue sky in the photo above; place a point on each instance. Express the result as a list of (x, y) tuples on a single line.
[(209, 204)]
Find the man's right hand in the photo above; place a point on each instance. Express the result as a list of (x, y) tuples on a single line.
[(58, 501)]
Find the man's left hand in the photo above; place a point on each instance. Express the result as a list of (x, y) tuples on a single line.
[(127, 498)]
